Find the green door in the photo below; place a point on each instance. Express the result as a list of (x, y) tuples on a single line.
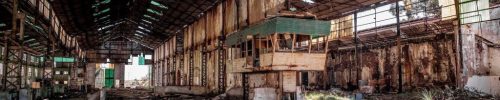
[(109, 77)]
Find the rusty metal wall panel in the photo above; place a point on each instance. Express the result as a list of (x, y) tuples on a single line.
[(289, 81), (425, 63)]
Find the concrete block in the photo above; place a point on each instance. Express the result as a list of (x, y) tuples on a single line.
[(265, 94), (367, 89)]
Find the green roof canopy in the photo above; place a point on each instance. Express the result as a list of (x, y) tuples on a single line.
[(281, 25)]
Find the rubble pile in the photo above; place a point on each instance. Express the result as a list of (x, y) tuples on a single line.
[(433, 94)]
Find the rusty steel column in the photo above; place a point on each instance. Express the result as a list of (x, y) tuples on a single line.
[(458, 38), (167, 74), (356, 56), (204, 65), (398, 43), (153, 71), (246, 86), (222, 65), (12, 79)]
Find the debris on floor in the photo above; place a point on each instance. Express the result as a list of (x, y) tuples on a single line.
[(137, 94), (147, 94), (417, 94)]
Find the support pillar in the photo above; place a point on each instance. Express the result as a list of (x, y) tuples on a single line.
[(398, 52), (222, 65)]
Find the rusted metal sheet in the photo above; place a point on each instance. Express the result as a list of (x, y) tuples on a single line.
[(424, 64), (289, 81)]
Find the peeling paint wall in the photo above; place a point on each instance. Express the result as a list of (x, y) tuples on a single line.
[(494, 59), (427, 63), (479, 40)]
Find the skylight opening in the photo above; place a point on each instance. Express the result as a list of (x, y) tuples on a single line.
[(108, 26), (37, 28), (308, 1), (105, 27), (101, 12), (106, 22), (29, 40), (152, 18), (144, 24), (100, 3), (142, 28), (138, 31), (138, 35), (146, 21), (159, 13), (105, 1), (157, 4), (31, 45), (30, 17), (107, 16)]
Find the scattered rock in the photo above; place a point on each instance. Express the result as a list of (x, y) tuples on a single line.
[(367, 89)]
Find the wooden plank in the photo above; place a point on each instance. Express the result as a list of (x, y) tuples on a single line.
[(299, 61), (266, 60)]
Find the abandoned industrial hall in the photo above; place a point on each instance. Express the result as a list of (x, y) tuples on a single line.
[(250, 50)]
